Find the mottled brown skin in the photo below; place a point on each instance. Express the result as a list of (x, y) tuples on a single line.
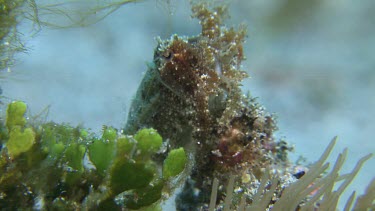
[(183, 72), (191, 95), (175, 93)]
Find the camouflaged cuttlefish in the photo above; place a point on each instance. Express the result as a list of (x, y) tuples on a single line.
[(191, 95)]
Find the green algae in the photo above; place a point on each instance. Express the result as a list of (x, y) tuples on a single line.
[(20, 141), (125, 146), (148, 141), (51, 158), (109, 134), (96, 152), (104, 146), (175, 163), (144, 197), (127, 175), (54, 138), (73, 163), (15, 114)]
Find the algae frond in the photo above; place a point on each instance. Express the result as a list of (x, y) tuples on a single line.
[(39, 14), (71, 168)]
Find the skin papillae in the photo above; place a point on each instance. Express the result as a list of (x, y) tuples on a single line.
[(191, 95)]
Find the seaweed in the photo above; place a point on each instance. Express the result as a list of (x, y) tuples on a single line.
[(58, 15), (56, 166), (10, 14)]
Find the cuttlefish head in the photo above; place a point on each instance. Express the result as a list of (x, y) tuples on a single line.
[(185, 66)]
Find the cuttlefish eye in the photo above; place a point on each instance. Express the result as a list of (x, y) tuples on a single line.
[(167, 54)]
